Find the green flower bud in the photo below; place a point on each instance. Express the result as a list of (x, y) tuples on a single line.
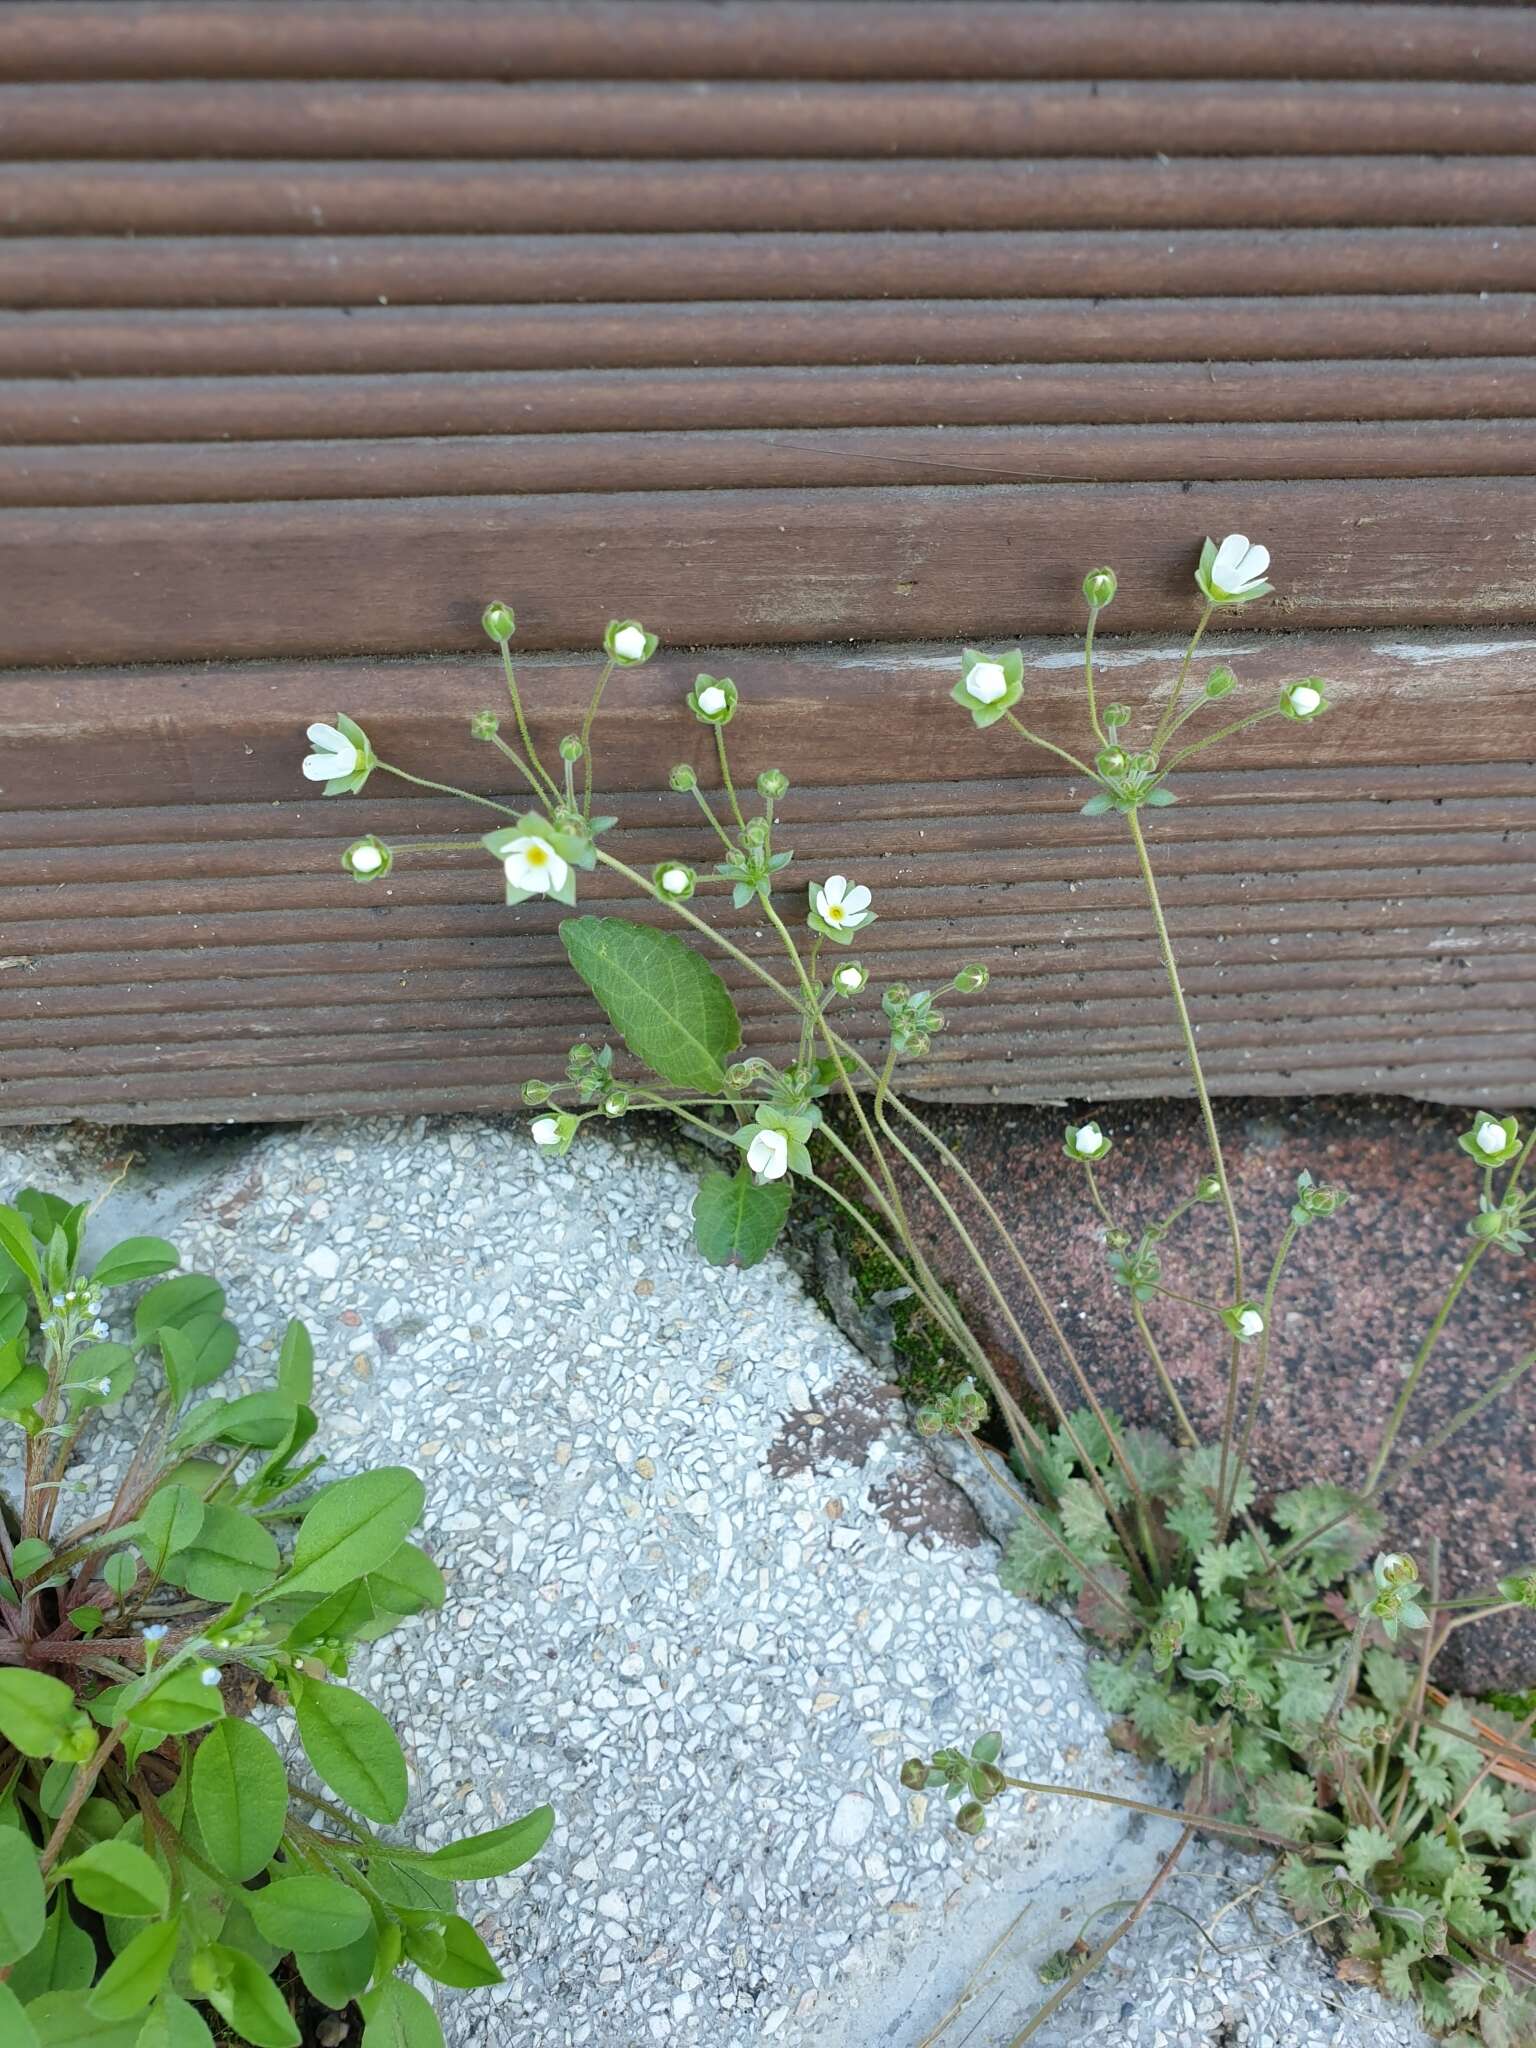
[(972, 1818), (929, 1422), (500, 622), (914, 1774), (1116, 715), (535, 1092), (851, 979), (571, 748), (988, 1781), (484, 725), (1117, 1240), (683, 779), (674, 879), (772, 783), (1099, 587), (615, 1102), (971, 980), (1112, 762), (1208, 1188), (1220, 683), (368, 860)]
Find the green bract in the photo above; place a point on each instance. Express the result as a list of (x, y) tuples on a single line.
[(160, 1874)]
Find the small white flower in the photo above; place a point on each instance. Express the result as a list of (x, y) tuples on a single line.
[(532, 863), (851, 979), (209, 1674), (99, 1330), (156, 1632), (1490, 1135), (838, 904), (1250, 1323), (103, 1386), (545, 1130), (675, 881), (366, 860), (334, 754), (1240, 563), (986, 682), (629, 641), (768, 1155), (712, 699), (1305, 700), (1087, 1141)]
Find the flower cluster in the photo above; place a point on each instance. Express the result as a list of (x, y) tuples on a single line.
[(1395, 1603)]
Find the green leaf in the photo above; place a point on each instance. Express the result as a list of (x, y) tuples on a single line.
[(296, 1363), (1364, 1848), (666, 1002), (339, 1975), (311, 1913), (241, 1992), (17, 1242), (181, 1702), (231, 1554), (408, 1582), (354, 1527), (240, 1797), (135, 1258), (172, 1519), (175, 1302), (734, 1220), (36, 1711), (63, 2019), (398, 2016), (22, 1906), (463, 1961), (115, 1877), (16, 2030), (29, 1557), (138, 1973), (196, 1352), (496, 1852), (100, 1373), (64, 1959), (175, 2024), (353, 1748)]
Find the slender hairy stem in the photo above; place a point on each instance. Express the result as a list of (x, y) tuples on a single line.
[(586, 736), (1164, 1379), (538, 774), (1262, 1366), (1050, 747), (1093, 706), (725, 778), (1206, 1823), (445, 788), (1214, 738), (1422, 1357), (1171, 710)]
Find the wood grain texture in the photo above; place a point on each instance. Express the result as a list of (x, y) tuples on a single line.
[(194, 583), (554, 197), (652, 401), (336, 340), (424, 119), (215, 473), (826, 39), (323, 270), (1347, 918)]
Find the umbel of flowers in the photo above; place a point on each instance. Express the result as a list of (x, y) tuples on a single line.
[(1273, 1652)]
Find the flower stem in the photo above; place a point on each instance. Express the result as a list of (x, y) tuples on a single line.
[(1262, 1365), (725, 777), (543, 781), (445, 788), (1050, 747), (586, 737), (1171, 710), (1211, 739), (1093, 707)]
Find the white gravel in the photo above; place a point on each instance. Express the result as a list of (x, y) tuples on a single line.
[(686, 1605)]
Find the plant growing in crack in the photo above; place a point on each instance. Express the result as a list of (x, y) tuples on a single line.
[(159, 1866), (1256, 1649)]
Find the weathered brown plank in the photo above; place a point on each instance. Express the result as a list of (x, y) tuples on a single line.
[(829, 39), (426, 118), (133, 409), (544, 197), (388, 577), (330, 340), (171, 473), (322, 270)]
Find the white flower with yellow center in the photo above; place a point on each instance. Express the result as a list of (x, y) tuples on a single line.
[(334, 755), (768, 1155), (532, 863), (842, 905)]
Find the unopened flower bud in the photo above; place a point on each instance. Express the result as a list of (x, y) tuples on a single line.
[(615, 1102), (914, 1774), (1208, 1188), (772, 783), (534, 1092), (484, 725), (674, 879), (972, 1818), (1116, 715), (1099, 587), (1220, 683), (499, 621), (972, 979), (571, 748), (683, 779)]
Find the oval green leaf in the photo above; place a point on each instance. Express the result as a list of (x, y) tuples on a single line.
[(230, 1555), (665, 1001), (338, 1975), (135, 1258), (241, 1992), (16, 2030), (64, 1959), (353, 1748), (354, 1527), (496, 1852), (22, 1905), (398, 2016), (36, 1711), (240, 1797), (134, 1978), (310, 1913), (734, 1220), (116, 1877)]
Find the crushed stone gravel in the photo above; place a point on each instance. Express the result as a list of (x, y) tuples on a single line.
[(694, 1602)]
